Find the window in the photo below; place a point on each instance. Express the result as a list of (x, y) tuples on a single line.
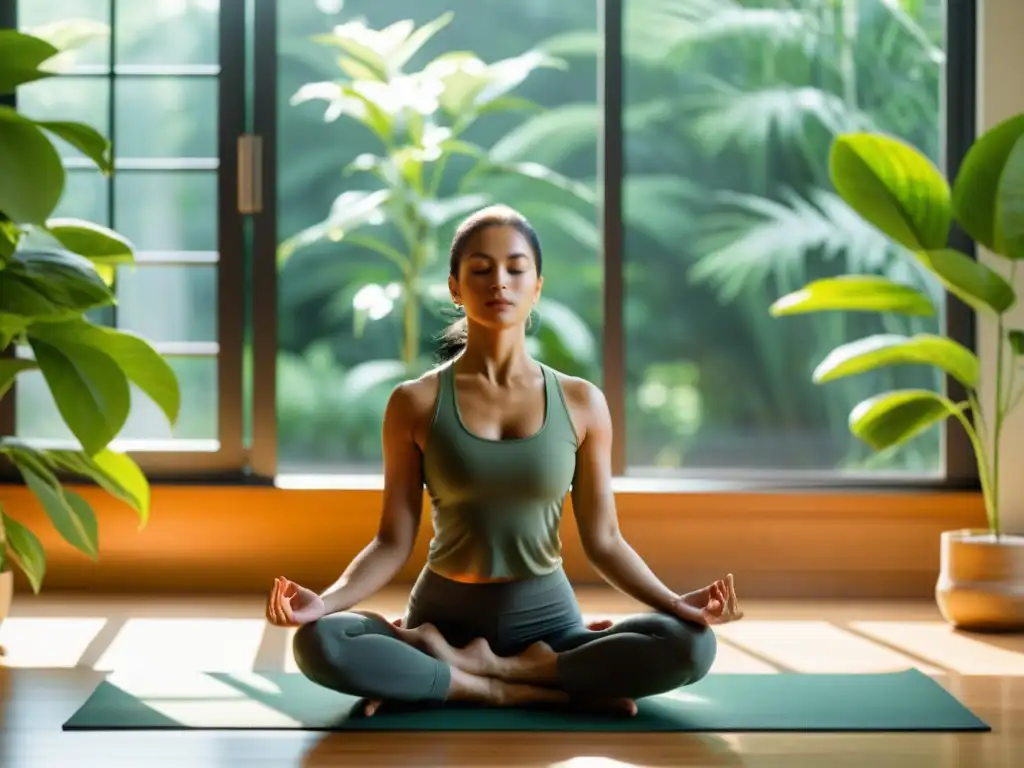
[(671, 153), (353, 321), (149, 78)]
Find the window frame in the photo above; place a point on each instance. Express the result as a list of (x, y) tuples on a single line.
[(174, 460)]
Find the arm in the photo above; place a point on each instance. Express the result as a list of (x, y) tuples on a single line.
[(594, 507), (378, 563)]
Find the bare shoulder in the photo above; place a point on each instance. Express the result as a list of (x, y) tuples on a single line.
[(587, 404), (412, 402)]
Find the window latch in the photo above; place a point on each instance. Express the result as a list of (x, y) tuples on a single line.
[(250, 173)]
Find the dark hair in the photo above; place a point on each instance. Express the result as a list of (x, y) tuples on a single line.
[(453, 340)]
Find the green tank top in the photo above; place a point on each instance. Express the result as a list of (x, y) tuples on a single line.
[(497, 504)]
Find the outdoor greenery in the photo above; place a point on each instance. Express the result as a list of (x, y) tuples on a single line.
[(53, 272), (897, 190)]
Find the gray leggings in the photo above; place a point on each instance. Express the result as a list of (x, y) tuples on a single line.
[(638, 656)]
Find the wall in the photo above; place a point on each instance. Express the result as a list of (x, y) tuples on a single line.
[(1000, 95)]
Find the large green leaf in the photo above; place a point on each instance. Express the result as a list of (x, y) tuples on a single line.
[(10, 367), (31, 171), (886, 349), (90, 390), (136, 358), (894, 187), (20, 59), (115, 472), (86, 139), (853, 293), (26, 549), (70, 514), (51, 285), (893, 418), (977, 285), (988, 193), (104, 247)]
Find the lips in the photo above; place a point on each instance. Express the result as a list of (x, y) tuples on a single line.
[(499, 303)]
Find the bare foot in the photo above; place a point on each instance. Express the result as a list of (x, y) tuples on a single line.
[(717, 602), (477, 658)]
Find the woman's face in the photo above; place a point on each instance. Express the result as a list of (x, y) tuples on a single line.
[(498, 282)]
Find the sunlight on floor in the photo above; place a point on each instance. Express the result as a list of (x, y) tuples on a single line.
[(198, 700), (938, 643), (47, 642), (816, 647), (207, 644)]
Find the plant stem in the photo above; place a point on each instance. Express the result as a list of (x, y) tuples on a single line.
[(981, 457)]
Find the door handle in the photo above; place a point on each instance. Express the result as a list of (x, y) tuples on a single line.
[(250, 173)]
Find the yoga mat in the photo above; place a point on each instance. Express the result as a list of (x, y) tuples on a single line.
[(901, 701)]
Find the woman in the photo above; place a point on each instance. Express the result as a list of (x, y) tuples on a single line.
[(499, 440)]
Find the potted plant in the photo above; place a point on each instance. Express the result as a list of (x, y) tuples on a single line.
[(52, 272), (899, 191)]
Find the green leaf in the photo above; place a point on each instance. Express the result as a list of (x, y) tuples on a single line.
[(137, 359), (349, 211), (70, 514), (894, 187), (24, 455), (10, 367), (51, 285), (895, 417), (10, 325), (977, 285), (988, 193), (399, 56), (90, 389), (21, 57), (1016, 339), (852, 293), (98, 244), (86, 139), (115, 472), (535, 172), (26, 550), (31, 171), (886, 349)]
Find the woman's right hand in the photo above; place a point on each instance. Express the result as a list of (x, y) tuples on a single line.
[(292, 605)]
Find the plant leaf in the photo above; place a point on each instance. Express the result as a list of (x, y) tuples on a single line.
[(895, 417), (51, 285), (104, 247), (853, 293), (134, 356), (10, 367), (988, 193), (885, 349), (1016, 339), (31, 171), (115, 472), (70, 514), (90, 390), (84, 138), (894, 187), (350, 210), (22, 55), (26, 550), (978, 286)]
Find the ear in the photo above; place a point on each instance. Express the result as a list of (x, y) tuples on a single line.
[(536, 292), (453, 288)]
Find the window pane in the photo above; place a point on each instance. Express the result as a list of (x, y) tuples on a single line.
[(185, 298), (38, 16), (166, 117), (37, 417), (167, 32), (167, 210), (334, 381), (85, 197), (728, 206), (80, 99)]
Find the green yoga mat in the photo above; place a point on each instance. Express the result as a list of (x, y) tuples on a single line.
[(900, 701)]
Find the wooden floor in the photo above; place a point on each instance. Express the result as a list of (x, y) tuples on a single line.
[(58, 647)]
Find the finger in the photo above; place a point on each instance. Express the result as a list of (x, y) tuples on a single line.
[(272, 603), (398, 622), (371, 708)]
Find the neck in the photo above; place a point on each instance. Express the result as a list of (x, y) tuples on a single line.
[(498, 355)]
